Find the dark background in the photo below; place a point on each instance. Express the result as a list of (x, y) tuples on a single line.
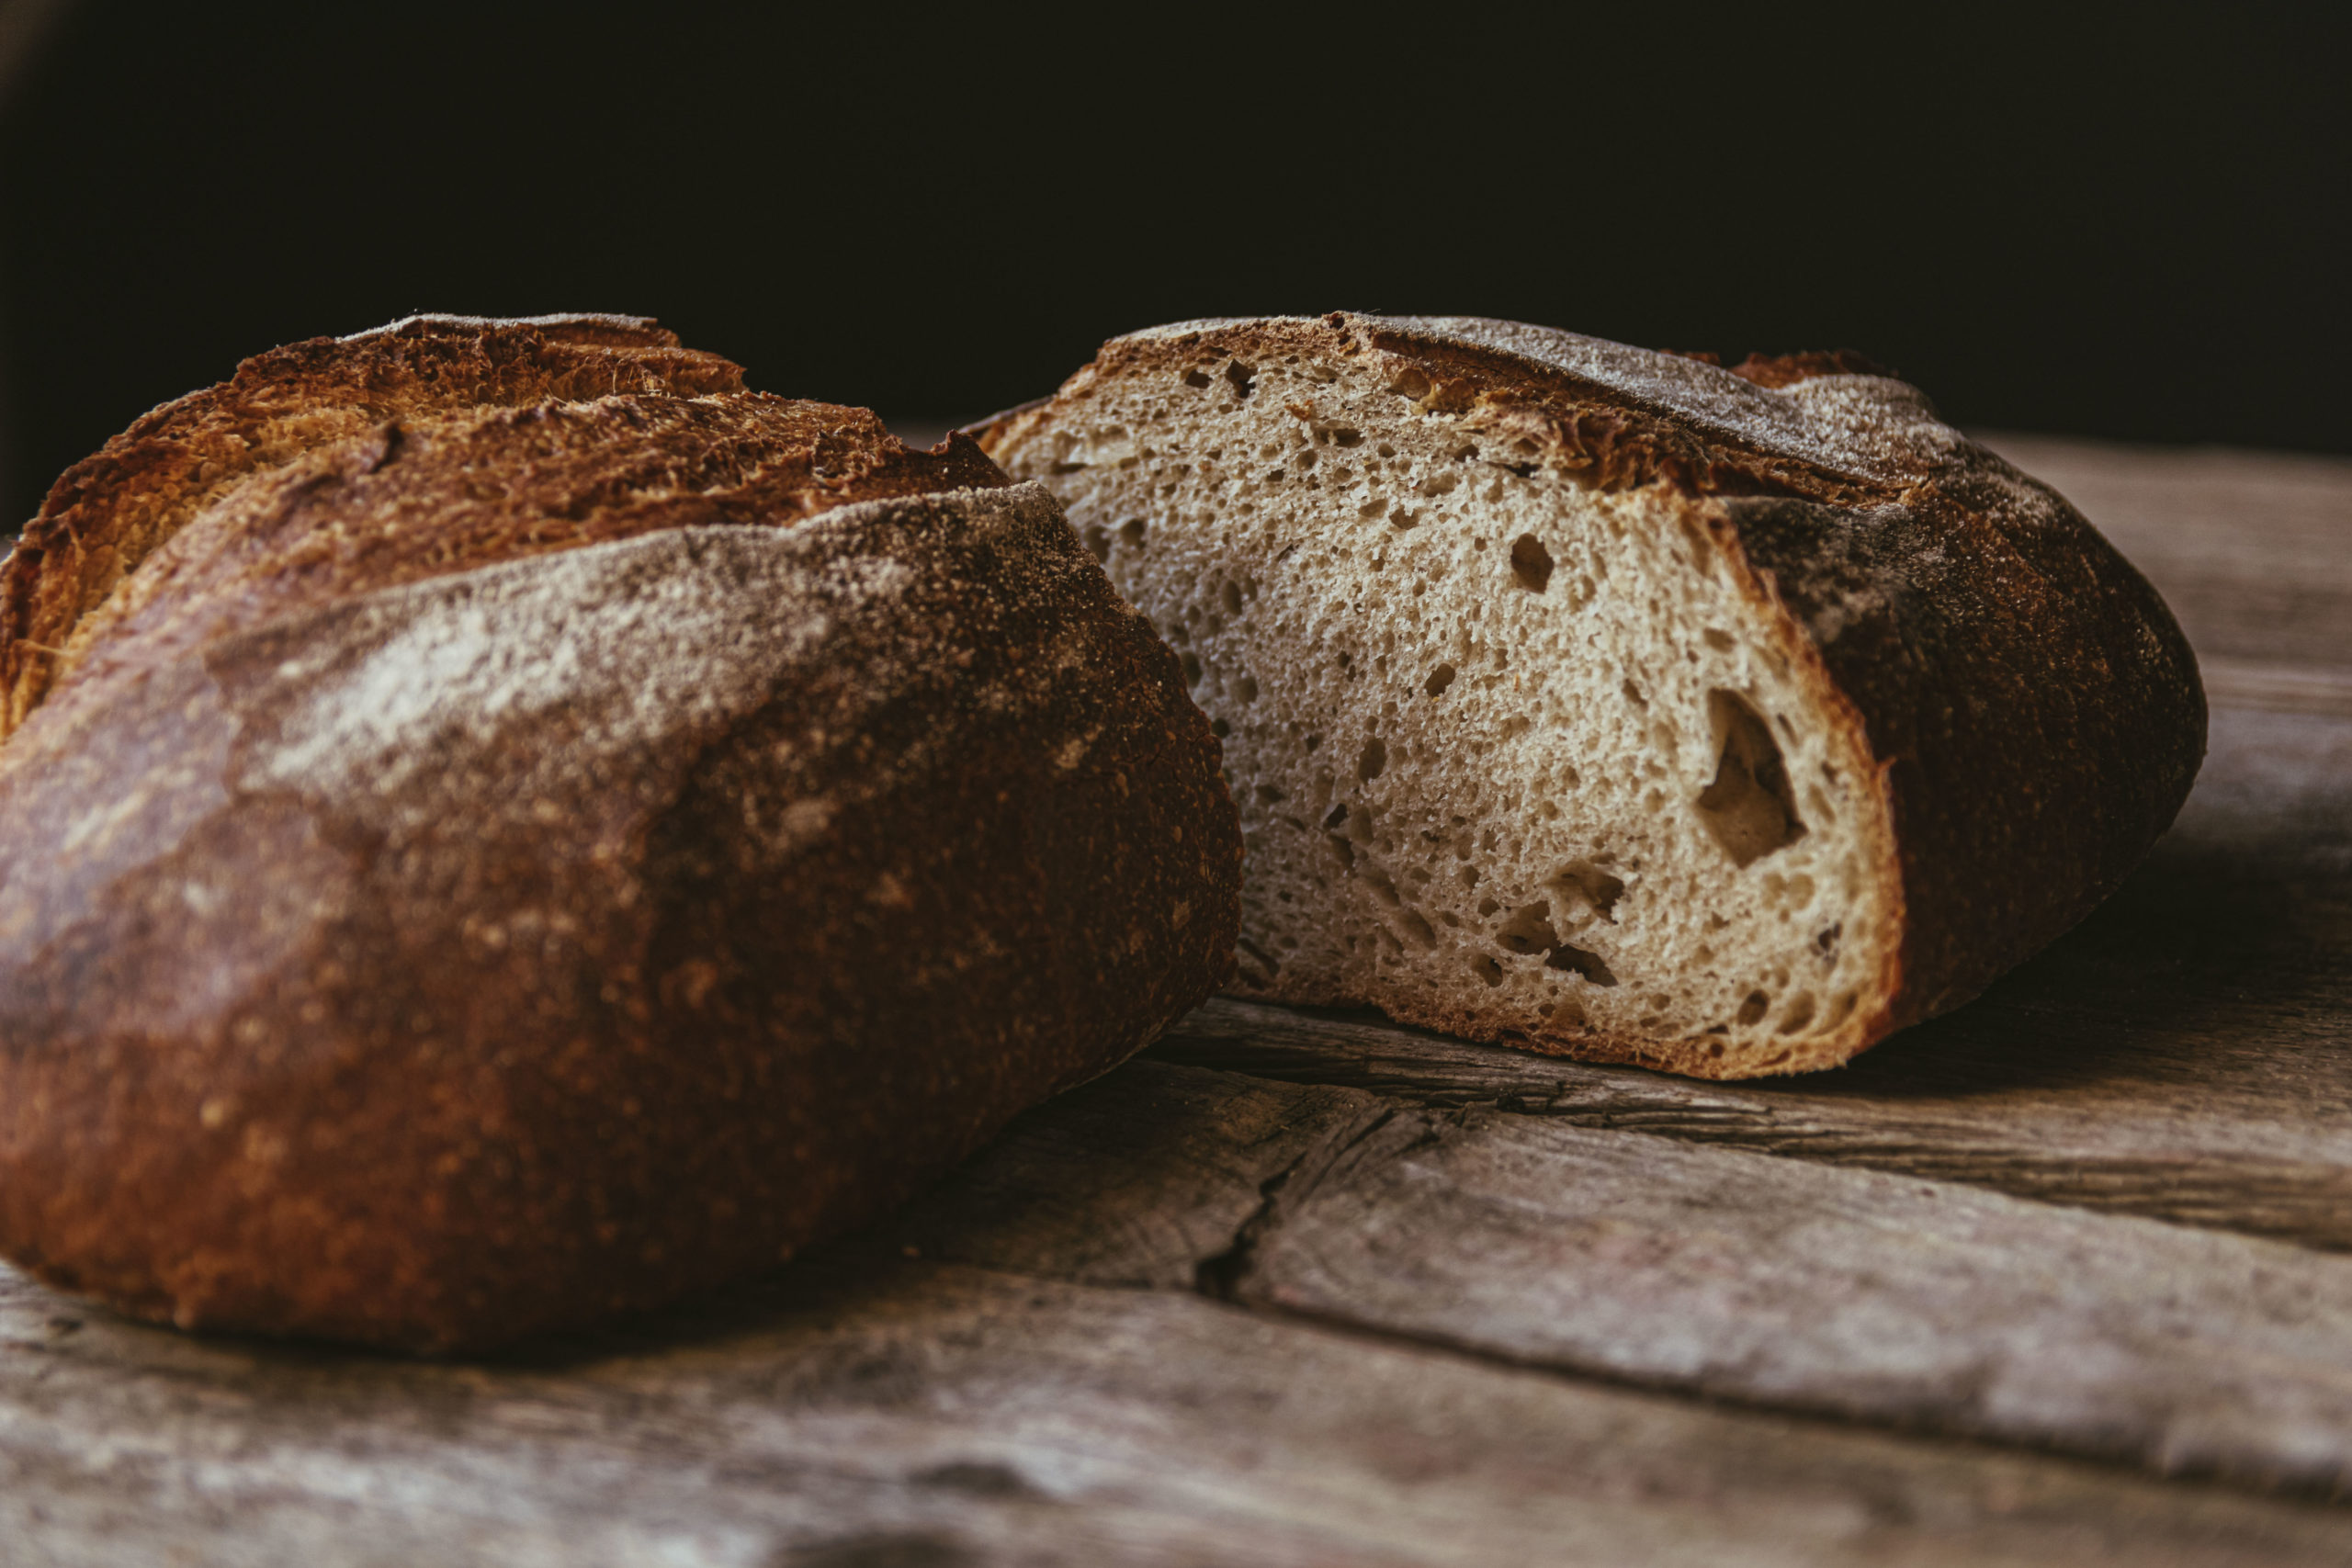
[(2128, 224)]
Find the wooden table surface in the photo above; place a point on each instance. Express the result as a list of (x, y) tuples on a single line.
[(2065, 1277)]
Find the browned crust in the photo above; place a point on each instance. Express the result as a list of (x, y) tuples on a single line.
[(604, 412), (2027, 700), (1788, 369), (106, 512), (454, 491), (886, 820)]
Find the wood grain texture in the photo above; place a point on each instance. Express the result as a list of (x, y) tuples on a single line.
[(1143, 1177), (1772, 1281), (915, 1415), (1855, 1293)]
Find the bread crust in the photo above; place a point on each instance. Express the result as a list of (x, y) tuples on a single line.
[(105, 513), (515, 863), (2029, 702)]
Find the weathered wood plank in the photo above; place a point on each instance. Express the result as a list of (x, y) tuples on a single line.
[(1138, 1179), (913, 1414), (1856, 1293), (1700, 1269), (2184, 1054)]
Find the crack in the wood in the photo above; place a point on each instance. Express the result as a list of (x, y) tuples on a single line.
[(1219, 1277)]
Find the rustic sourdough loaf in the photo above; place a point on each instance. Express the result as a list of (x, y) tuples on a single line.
[(500, 825), (1613, 703)]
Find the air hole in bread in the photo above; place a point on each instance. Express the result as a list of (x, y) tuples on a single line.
[(1231, 594), (1752, 1010), (1192, 662), (1244, 380), (1529, 929), (1439, 679), (1568, 956), (1581, 881), (1797, 1014), (1196, 379), (1131, 531), (1788, 894), (1097, 541), (1530, 563), (1749, 808), (1374, 760)]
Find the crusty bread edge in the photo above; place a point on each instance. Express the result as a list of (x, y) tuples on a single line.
[(74, 556), (1619, 441)]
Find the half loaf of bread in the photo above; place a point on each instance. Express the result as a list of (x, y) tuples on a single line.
[(1614, 703), (499, 826)]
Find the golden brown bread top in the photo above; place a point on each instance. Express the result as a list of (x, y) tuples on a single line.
[(339, 465)]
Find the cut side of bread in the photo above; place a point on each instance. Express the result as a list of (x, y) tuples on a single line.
[(1612, 703)]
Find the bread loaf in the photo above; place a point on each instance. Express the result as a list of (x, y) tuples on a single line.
[(501, 825), (1615, 704)]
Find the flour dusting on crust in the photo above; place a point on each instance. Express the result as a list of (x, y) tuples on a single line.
[(632, 641)]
